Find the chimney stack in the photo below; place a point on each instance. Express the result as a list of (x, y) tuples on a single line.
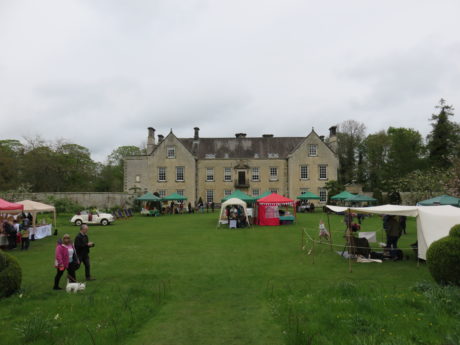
[(160, 138), (333, 131), (240, 135), (150, 140), (321, 137), (267, 135), (197, 134)]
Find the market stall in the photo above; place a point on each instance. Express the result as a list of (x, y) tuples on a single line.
[(271, 210), (33, 207), (234, 213)]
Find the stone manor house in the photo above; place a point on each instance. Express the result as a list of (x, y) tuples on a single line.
[(212, 168)]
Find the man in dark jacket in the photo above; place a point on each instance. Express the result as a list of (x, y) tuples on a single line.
[(82, 246), (393, 232)]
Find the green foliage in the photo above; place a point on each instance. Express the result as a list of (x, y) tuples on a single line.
[(333, 187), (444, 137), (443, 258), (455, 231), (64, 205), (349, 138), (10, 275)]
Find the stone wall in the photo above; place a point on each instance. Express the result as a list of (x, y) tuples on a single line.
[(86, 199)]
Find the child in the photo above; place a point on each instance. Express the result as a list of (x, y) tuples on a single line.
[(25, 238), (323, 233)]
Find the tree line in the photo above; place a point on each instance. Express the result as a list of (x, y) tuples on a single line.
[(391, 160), (400, 159), (61, 166)]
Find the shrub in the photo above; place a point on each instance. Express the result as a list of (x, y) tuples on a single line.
[(10, 275), (443, 258), (64, 205)]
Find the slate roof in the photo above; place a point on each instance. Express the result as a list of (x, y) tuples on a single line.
[(242, 148)]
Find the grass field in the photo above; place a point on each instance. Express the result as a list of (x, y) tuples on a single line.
[(177, 280)]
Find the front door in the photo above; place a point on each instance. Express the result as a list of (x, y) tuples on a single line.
[(241, 178)]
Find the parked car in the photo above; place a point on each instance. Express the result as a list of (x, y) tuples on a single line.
[(92, 217)]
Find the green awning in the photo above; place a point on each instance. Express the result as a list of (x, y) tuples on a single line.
[(174, 197), (267, 193), (441, 200), (342, 195), (240, 195), (148, 197), (361, 198), (308, 196)]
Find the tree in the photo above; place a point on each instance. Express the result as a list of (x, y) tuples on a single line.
[(10, 164), (333, 187), (405, 152), (349, 138), (375, 149), (443, 138)]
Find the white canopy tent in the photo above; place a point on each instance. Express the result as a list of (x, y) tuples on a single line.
[(232, 202), (433, 222), (35, 207)]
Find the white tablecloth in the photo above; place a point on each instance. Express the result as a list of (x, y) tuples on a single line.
[(41, 231)]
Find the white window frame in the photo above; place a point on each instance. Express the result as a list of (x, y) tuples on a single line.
[(313, 150), (322, 195), (256, 192), (304, 172), (180, 192), (227, 192), (209, 195), (138, 178), (209, 174), (273, 177), (177, 174), (255, 174), (320, 167), (160, 170), (162, 193), (171, 152), (227, 174)]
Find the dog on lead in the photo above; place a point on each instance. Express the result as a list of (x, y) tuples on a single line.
[(74, 287)]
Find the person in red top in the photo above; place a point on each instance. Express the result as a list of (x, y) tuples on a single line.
[(66, 259)]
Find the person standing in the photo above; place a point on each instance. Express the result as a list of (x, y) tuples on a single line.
[(65, 259), (82, 245), (393, 233)]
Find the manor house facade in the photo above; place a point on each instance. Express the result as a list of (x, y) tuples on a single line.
[(212, 168)]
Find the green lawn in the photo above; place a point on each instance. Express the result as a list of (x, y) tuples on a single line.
[(177, 280)]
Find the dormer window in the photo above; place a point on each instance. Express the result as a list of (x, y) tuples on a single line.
[(171, 152), (273, 155), (313, 150), (210, 156)]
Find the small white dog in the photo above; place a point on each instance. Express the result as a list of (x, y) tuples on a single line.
[(74, 287)]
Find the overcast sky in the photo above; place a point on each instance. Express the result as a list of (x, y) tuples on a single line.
[(99, 72)]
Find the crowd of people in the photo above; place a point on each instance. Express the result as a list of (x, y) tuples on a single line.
[(15, 232)]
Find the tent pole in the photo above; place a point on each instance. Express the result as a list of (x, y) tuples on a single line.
[(302, 240), (349, 240), (330, 230)]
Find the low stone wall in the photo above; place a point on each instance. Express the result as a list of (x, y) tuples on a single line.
[(99, 200)]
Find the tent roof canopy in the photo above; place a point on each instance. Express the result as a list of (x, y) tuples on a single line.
[(34, 206), (360, 198), (441, 200), (275, 199), (342, 196), (9, 206), (174, 197), (233, 201), (240, 195), (308, 196), (149, 197)]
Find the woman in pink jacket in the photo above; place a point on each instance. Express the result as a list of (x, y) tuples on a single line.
[(66, 259)]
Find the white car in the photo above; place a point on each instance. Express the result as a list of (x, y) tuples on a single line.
[(86, 217)]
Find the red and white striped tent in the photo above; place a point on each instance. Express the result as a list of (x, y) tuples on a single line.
[(267, 208)]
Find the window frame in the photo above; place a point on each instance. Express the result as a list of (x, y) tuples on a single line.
[(306, 172), (208, 193), (310, 154), (273, 177), (229, 175), (320, 166), (173, 148), (165, 174), (253, 174), (322, 192), (209, 175), (177, 174)]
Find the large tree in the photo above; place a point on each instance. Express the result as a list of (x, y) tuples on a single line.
[(405, 152), (350, 135), (443, 138), (375, 149), (10, 164)]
